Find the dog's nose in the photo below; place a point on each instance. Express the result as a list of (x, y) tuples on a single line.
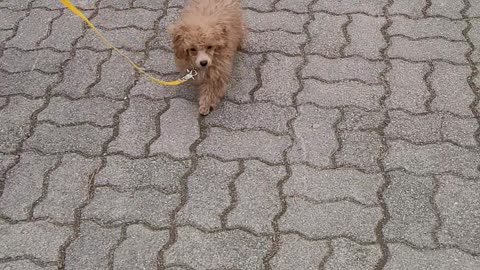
[(203, 63)]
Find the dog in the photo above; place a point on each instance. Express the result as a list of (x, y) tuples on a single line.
[(206, 38)]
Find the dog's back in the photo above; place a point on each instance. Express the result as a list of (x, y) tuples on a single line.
[(225, 10)]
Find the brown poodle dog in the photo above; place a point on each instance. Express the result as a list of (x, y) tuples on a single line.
[(206, 38)]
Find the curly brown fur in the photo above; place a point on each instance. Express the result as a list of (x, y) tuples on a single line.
[(206, 37)]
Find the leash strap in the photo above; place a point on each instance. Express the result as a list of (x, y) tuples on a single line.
[(190, 73)]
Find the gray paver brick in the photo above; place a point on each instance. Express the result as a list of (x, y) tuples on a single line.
[(149, 206), (279, 20), (137, 126), (343, 69), (221, 250), (23, 185), (208, 193), (15, 121), (279, 91), (9, 18), (243, 79), (14, 4), (32, 29), (458, 130), (123, 38), (314, 136), (265, 5), (474, 35), (412, 217), (140, 248), (80, 73), (297, 253), (163, 38), (141, 18), (427, 27), (366, 39), (24, 265), (350, 255), (327, 37), (355, 119), (258, 200), (60, 38), (411, 8), (275, 41), (330, 219), (341, 94), (5, 34), (237, 117), (99, 111), (333, 184), (474, 10), (160, 61), (449, 9), (178, 129), (15, 60), (153, 4), (39, 239), (32, 83), (6, 161), (160, 172), (404, 257), (432, 159), (458, 204), (90, 250), (232, 145), (423, 128), (453, 94), (115, 4), (359, 149), (293, 5), (372, 7), (67, 188), (428, 50), (82, 138), (408, 89)]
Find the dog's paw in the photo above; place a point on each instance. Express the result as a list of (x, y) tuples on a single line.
[(204, 110)]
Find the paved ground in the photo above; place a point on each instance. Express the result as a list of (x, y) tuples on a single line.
[(349, 140)]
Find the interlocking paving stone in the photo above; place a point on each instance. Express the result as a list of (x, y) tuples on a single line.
[(139, 249), (160, 172), (5, 162), (354, 68), (23, 185), (237, 117), (280, 20), (14, 4), (25, 265), (115, 4), (355, 119), (163, 38), (243, 78), (341, 94), (99, 111), (141, 18), (404, 257), (372, 7), (453, 94), (82, 138), (208, 193), (330, 219), (350, 255), (327, 37), (412, 215), (80, 73), (15, 121), (359, 149), (411, 8), (432, 158), (153, 4), (333, 184), (221, 250), (366, 39), (314, 136), (124, 38), (68, 187), (474, 36), (279, 91), (61, 39), (416, 128), (256, 208), (275, 41), (232, 145), (33, 83), (178, 129), (138, 119), (474, 10), (15, 60), (90, 250), (293, 5), (40, 240), (149, 206), (428, 50), (458, 130), (5, 34), (298, 253), (408, 88), (32, 29), (9, 17), (160, 61), (427, 27), (450, 9), (257, 5), (458, 205)]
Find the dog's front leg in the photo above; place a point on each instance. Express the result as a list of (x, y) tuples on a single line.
[(211, 92)]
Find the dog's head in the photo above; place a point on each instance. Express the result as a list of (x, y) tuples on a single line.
[(197, 44)]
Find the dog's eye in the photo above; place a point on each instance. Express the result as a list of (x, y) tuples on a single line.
[(209, 47), (193, 50)]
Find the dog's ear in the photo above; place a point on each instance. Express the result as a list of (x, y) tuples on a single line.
[(177, 32)]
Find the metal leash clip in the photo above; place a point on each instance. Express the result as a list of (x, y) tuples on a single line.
[(190, 75)]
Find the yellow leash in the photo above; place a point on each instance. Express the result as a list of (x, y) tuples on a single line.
[(190, 73)]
